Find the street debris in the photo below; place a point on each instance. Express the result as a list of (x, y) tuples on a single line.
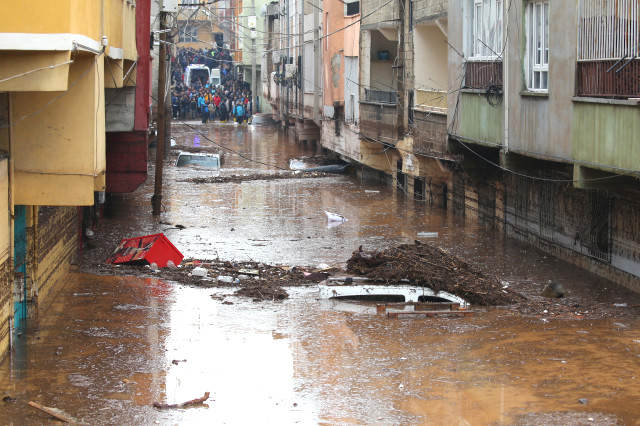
[(553, 290), (263, 292), (146, 250), (7, 399), (427, 235), (427, 265), (54, 412), (197, 401), (256, 176), (199, 272), (335, 217)]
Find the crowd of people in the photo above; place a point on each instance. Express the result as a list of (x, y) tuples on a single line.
[(200, 98)]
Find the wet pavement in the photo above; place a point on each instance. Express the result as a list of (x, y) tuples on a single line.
[(108, 347)]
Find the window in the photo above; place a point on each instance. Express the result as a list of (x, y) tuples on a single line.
[(485, 29), (188, 34), (352, 8), (537, 54)]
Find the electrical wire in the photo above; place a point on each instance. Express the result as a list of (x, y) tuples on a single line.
[(49, 67)]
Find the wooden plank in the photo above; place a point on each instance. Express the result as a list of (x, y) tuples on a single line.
[(396, 314), (55, 412), (420, 306)]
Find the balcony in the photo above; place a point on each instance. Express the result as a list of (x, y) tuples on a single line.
[(479, 74), (608, 78), (380, 96), (431, 101)]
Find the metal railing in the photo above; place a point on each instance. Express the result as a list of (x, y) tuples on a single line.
[(479, 74), (380, 96), (608, 79)]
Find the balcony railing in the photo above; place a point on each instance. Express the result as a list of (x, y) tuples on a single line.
[(609, 78), (479, 74), (431, 100), (380, 96)]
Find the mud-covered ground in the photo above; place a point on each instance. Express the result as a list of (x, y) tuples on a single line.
[(420, 263)]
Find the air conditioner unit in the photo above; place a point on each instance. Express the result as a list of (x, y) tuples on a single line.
[(289, 70), (170, 6)]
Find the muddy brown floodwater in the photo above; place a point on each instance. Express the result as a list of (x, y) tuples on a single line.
[(108, 347)]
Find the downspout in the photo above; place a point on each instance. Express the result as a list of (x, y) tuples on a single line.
[(34, 260), (317, 65), (505, 76), (11, 175)]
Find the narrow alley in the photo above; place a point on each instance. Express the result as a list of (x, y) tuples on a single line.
[(109, 346)]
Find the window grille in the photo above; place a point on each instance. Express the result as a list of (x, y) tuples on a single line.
[(352, 8), (608, 29)]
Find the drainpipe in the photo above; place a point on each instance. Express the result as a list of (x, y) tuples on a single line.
[(505, 76), (11, 216), (317, 64)]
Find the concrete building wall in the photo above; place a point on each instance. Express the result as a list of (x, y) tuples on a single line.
[(6, 271), (56, 242), (428, 10), (63, 146), (539, 124)]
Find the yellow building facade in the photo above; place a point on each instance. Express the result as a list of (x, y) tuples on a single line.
[(56, 59)]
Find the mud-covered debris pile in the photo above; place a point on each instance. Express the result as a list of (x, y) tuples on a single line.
[(427, 265), (257, 176), (262, 292)]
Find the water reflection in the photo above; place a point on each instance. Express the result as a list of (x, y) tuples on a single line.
[(105, 346)]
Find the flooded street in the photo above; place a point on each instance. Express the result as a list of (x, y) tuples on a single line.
[(108, 347)]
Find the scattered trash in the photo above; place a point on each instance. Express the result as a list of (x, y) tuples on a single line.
[(323, 267), (225, 279), (199, 272), (7, 399), (249, 271), (428, 234), (263, 292), (154, 267), (177, 361), (619, 324), (316, 276), (173, 142), (620, 305), (58, 414), (243, 277), (554, 290), (335, 217), (145, 250), (583, 401), (197, 401), (171, 265), (370, 191)]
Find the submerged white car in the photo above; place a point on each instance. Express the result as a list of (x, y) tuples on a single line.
[(212, 161)]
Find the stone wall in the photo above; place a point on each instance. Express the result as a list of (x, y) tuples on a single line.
[(378, 122), (425, 10)]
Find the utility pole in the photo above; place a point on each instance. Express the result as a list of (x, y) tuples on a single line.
[(254, 84), (156, 200)]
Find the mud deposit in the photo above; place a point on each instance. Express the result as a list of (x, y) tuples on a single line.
[(114, 341)]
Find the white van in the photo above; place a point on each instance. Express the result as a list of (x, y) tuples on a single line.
[(196, 72), (215, 77)]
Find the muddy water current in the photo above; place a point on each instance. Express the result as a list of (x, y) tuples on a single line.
[(106, 348)]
